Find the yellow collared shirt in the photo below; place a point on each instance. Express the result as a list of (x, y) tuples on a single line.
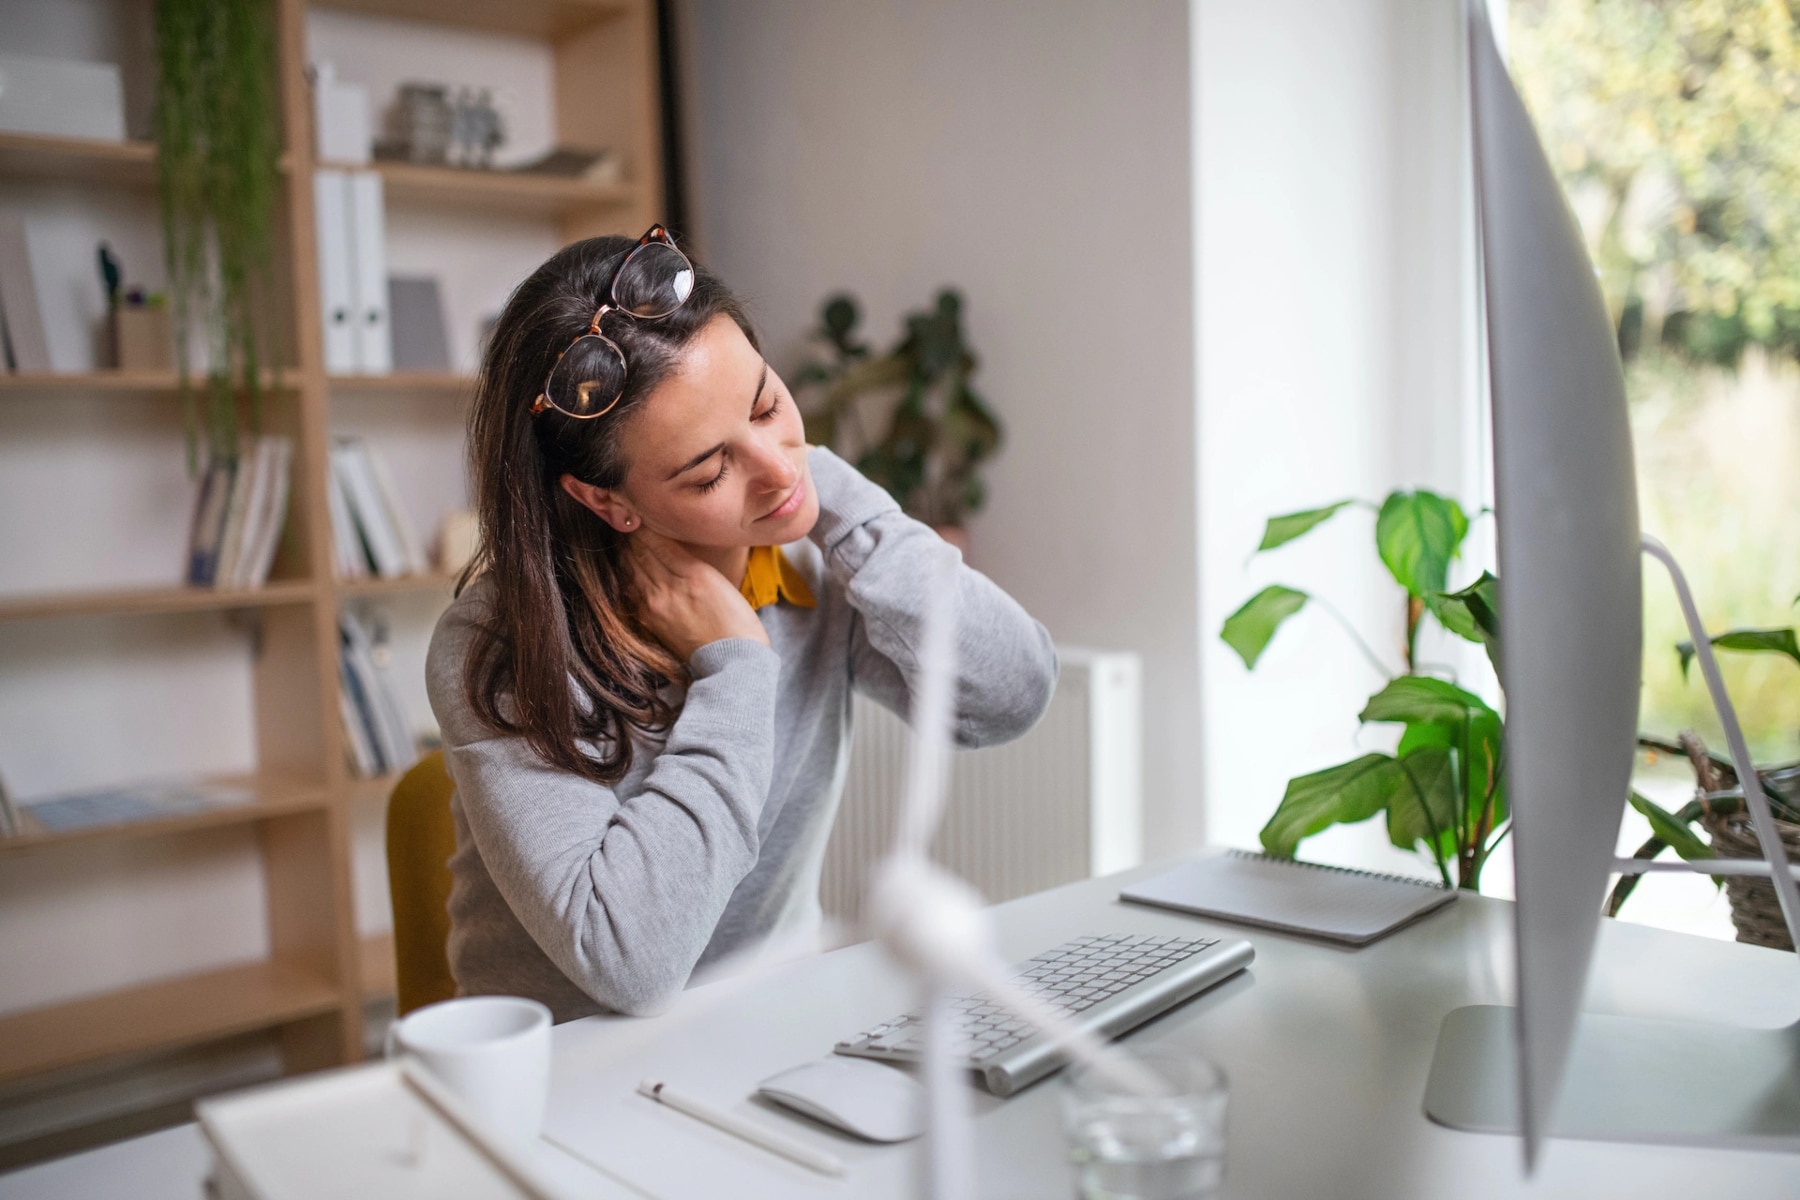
[(771, 577)]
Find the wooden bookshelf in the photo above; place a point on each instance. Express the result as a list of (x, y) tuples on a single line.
[(311, 989), (78, 160), (162, 1015), (473, 189), (552, 19), (273, 798), (121, 602), (140, 382), (378, 966), (404, 585), (454, 382)]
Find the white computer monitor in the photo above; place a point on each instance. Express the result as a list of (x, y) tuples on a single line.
[(1571, 646)]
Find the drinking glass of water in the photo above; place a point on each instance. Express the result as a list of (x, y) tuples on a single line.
[(1127, 1146)]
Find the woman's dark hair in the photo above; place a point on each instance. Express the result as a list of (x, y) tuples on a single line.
[(561, 605)]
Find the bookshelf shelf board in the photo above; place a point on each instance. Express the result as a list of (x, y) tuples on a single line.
[(84, 160), (531, 18), (377, 951), (405, 381), (372, 791), (139, 382), (134, 601), (396, 587), (161, 1015), (274, 798), (508, 193)]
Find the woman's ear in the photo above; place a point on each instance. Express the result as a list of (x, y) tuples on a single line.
[(602, 502)]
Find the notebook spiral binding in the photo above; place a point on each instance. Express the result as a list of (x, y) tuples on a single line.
[(1311, 866)]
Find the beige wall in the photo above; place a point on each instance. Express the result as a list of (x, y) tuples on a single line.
[(1037, 156)]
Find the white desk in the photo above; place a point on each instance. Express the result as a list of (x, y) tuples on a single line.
[(1327, 1049)]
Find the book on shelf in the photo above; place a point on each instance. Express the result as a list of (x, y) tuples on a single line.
[(150, 801), (380, 741), (239, 512), (350, 221), (371, 532), (10, 821), (21, 316)]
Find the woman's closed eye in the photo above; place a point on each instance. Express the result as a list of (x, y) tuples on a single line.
[(724, 461), (708, 485)]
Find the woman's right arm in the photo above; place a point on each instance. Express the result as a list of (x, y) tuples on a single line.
[(622, 895)]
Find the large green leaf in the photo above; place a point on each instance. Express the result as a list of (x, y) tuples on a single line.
[(1671, 829), (1770, 641), (1417, 535), (1340, 795), (1289, 526), (1425, 807), (1420, 698), (1481, 765), (1249, 629), (1472, 613)]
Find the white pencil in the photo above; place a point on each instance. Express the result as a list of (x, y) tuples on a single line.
[(771, 1140)]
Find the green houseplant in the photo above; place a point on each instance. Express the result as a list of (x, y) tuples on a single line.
[(1717, 809), (934, 430), (217, 146), (1442, 790)]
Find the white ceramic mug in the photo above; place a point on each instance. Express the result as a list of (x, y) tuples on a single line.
[(493, 1052)]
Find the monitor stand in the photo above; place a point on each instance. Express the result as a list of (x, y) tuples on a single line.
[(1636, 1079), (1629, 1079)]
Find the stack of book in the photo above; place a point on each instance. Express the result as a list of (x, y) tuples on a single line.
[(370, 531), (239, 515), (376, 735)]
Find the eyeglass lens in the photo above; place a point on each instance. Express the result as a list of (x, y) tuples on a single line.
[(587, 378), (653, 281)]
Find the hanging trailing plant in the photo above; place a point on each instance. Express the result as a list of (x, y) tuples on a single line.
[(217, 147)]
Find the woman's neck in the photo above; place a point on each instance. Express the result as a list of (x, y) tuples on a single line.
[(733, 562)]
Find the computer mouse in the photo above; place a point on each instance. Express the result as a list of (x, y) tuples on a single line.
[(859, 1096)]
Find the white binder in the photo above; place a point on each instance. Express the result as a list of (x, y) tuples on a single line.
[(368, 275), (331, 217)]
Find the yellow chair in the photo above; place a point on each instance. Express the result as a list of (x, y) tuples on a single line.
[(420, 840)]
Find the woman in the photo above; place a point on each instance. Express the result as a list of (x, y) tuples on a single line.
[(645, 704)]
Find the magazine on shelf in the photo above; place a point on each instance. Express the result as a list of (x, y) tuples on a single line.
[(150, 801), (379, 718), (208, 528), (371, 510), (239, 511)]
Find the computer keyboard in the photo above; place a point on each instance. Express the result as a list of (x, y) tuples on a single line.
[(1108, 983)]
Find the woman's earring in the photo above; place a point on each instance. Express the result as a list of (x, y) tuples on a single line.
[(630, 521)]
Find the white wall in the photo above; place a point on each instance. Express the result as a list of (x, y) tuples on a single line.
[(1334, 333), (1036, 156)]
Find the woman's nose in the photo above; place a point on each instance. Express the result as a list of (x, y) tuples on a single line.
[(776, 469)]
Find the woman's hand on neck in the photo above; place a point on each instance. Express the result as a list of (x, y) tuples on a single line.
[(686, 601)]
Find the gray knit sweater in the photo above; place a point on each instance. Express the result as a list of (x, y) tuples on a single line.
[(591, 898)]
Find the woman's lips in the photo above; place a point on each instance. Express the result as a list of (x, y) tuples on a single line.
[(791, 505)]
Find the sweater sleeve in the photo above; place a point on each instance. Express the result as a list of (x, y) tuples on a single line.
[(884, 561), (622, 894)]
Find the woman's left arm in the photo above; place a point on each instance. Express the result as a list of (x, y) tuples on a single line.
[(885, 561)]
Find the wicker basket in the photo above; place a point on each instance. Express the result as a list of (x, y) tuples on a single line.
[(1755, 909)]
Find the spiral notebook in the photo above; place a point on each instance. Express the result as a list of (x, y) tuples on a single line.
[(1336, 903)]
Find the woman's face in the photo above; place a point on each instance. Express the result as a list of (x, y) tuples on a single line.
[(716, 454)]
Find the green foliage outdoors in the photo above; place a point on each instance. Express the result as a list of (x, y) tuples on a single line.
[(1675, 128), (1443, 789), (218, 141), (936, 430)]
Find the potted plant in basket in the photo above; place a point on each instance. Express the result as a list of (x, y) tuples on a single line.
[(1718, 807), (1443, 789), (935, 430)]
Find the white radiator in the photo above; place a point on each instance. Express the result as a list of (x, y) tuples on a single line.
[(1062, 803)]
